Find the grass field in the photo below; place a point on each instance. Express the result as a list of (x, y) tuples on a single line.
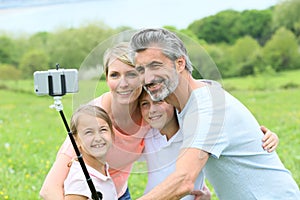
[(31, 132)]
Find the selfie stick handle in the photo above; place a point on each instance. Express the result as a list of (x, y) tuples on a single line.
[(59, 107)]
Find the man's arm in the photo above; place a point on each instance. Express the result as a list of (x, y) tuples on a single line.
[(181, 182)]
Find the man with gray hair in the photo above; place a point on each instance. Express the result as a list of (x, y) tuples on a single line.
[(221, 136)]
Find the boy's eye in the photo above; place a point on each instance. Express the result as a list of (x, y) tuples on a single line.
[(159, 102), (144, 103)]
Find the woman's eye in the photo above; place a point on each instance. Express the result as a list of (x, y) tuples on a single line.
[(114, 75)]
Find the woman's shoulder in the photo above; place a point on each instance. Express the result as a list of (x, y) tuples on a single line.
[(103, 101)]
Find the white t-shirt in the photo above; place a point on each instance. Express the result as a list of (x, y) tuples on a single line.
[(161, 156), (76, 183)]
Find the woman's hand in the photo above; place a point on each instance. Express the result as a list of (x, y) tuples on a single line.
[(270, 139)]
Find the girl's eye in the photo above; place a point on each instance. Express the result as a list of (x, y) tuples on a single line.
[(103, 130), (88, 132)]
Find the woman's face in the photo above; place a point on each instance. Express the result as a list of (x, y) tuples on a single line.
[(124, 82)]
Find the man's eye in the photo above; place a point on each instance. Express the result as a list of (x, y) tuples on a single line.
[(140, 69), (132, 75)]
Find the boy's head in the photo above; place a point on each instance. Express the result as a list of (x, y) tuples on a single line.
[(158, 114)]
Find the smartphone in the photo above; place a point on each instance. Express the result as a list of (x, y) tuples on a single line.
[(56, 82)]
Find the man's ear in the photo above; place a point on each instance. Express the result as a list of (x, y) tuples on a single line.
[(180, 64)]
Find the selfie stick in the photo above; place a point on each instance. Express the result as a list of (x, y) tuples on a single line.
[(59, 107)]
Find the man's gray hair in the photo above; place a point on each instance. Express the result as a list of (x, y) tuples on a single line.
[(171, 45)]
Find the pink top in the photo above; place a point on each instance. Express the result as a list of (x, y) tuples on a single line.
[(125, 150), (76, 183)]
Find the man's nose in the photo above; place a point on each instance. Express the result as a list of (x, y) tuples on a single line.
[(148, 77)]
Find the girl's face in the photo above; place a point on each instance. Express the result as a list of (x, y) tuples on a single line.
[(95, 137), (124, 82), (157, 113)]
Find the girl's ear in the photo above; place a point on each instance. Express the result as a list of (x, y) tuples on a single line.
[(180, 64)]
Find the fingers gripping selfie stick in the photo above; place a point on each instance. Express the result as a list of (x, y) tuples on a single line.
[(59, 107)]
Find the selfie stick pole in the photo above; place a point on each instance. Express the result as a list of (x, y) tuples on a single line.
[(59, 107)]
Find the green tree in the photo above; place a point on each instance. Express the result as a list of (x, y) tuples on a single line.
[(70, 47), (34, 60), (9, 72), (7, 47), (244, 55), (217, 28), (281, 51), (287, 14), (255, 23)]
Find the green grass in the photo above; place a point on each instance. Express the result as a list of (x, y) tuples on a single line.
[(31, 132)]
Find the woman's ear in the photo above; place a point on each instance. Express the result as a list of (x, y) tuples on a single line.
[(180, 64)]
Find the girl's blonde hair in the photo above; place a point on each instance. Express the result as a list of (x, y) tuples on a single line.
[(91, 110)]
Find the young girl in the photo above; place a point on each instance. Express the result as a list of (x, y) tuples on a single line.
[(121, 104), (92, 130)]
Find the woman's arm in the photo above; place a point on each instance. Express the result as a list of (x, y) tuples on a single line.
[(52, 188), (270, 140), (75, 197)]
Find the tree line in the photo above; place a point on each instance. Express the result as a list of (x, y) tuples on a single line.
[(240, 43)]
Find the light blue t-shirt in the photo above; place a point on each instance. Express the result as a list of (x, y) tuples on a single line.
[(238, 167)]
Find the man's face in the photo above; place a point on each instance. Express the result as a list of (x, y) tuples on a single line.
[(158, 73)]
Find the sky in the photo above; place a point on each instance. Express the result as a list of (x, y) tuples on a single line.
[(19, 17)]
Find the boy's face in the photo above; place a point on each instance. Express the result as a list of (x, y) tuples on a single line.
[(159, 74), (94, 136), (156, 113)]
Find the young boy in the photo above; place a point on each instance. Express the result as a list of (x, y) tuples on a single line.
[(93, 133)]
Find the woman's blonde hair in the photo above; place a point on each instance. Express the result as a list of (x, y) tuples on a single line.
[(120, 52)]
